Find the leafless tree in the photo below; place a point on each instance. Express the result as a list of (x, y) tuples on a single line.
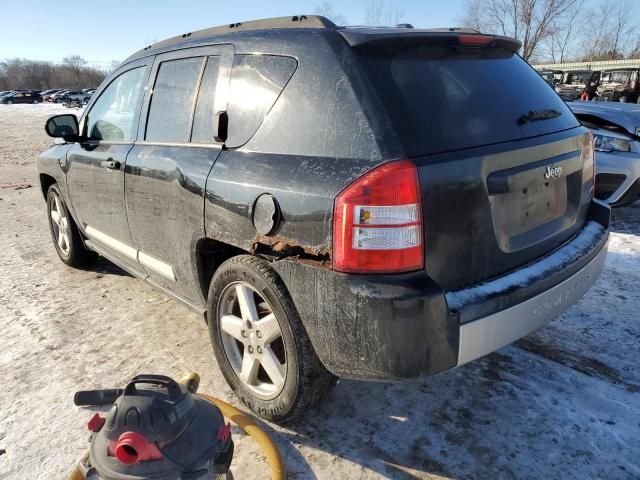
[(76, 62), (326, 9), (561, 43), (530, 21), (382, 12), (610, 31), (72, 73)]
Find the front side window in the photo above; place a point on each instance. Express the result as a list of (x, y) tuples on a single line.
[(171, 106), (112, 116)]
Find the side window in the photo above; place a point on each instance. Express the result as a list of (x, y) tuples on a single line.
[(171, 106), (203, 119), (112, 116), (256, 83)]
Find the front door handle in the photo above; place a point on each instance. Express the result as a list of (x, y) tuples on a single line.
[(111, 164)]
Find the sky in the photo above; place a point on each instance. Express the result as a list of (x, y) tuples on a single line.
[(108, 30)]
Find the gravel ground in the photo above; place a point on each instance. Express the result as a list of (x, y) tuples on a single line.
[(562, 403)]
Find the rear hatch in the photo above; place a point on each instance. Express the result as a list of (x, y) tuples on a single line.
[(506, 170)]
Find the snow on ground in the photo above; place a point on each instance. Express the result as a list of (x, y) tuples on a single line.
[(563, 402)]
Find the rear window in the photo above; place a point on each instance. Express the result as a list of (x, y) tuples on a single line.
[(256, 84), (440, 99)]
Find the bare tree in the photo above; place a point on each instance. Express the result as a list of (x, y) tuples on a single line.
[(382, 12), (610, 31), (561, 43), (20, 73), (326, 9), (530, 21), (76, 62)]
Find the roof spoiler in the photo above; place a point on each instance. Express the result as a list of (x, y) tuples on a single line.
[(453, 36)]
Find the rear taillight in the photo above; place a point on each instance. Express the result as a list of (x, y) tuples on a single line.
[(377, 226)]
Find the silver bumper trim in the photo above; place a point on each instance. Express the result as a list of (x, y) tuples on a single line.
[(485, 335)]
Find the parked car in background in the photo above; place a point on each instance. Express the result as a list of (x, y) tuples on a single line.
[(552, 77), (76, 96), (48, 96), (21, 97), (573, 84), (412, 214), (619, 85), (46, 93), (616, 131), (57, 97)]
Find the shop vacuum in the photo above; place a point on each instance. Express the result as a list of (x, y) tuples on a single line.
[(156, 429)]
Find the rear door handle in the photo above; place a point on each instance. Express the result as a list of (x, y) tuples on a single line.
[(111, 164)]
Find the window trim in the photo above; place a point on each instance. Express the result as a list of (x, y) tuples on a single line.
[(225, 51)]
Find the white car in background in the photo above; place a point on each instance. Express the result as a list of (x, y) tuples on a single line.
[(616, 130)]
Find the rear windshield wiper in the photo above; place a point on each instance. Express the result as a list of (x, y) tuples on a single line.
[(535, 115)]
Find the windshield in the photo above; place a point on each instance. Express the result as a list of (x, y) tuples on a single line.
[(616, 77), (579, 78), (441, 99)]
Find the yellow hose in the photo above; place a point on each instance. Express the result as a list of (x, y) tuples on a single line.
[(237, 416), (248, 426)]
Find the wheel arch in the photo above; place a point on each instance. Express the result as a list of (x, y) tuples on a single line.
[(209, 255), (45, 182)]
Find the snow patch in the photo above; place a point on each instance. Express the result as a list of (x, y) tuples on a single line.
[(584, 241)]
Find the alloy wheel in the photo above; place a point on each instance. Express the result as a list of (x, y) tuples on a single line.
[(60, 225), (252, 339)]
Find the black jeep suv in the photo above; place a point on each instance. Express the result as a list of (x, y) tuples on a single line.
[(338, 202)]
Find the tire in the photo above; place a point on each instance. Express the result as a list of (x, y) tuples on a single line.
[(58, 100), (64, 232), (9, 102), (300, 379), (638, 100), (623, 99), (86, 100), (35, 102)]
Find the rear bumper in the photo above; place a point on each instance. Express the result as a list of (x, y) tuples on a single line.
[(487, 334), (395, 327)]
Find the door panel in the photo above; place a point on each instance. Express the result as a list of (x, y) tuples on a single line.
[(167, 169), (95, 167), (165, 200)]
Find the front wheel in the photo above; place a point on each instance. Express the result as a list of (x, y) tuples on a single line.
[(260, 343), (65, 233)]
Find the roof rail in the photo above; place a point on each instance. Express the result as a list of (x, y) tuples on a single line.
[(296, 21)]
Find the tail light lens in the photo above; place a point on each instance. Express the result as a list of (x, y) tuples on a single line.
[(377, 226)]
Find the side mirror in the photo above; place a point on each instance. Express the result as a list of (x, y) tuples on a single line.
[(63, 126)]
